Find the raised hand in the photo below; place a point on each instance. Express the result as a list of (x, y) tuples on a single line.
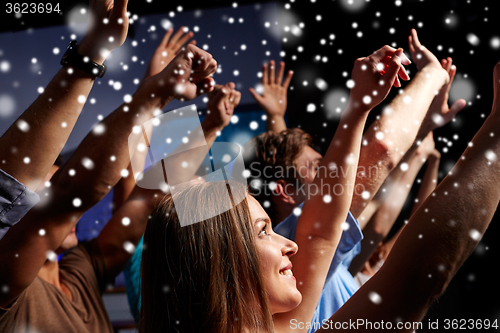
[(221, 103), (107, 28), (420, 54), (185, 78), (373, 76), (273, 99), (440, 113), (166, 51)]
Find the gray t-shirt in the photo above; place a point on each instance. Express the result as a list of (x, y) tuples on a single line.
[(42, 308)]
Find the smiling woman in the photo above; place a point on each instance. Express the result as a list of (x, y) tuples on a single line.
[(206, 277)]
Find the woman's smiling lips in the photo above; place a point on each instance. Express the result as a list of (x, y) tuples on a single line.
[(287, 271)]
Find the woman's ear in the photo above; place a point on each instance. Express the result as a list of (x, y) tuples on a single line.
[(283, 192)]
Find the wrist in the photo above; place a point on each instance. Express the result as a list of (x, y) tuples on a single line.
[(275, 117), (433, 158), (437, 73), (144, 100), (356, 107), (153, 93), (211, 129), (88, 49)]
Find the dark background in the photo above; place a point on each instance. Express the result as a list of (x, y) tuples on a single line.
[(443, 27)]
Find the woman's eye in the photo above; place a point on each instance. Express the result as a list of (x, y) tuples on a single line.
[(263, 232)]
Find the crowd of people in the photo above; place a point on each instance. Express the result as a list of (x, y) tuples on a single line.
[(299, 246)]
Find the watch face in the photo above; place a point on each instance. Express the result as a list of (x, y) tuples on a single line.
[(72, 58)]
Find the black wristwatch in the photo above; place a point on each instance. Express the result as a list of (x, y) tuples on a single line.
[(75, 59)]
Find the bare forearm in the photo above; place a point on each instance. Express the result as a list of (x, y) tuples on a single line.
[(383, 220), (385, 189), (429, 182), (342, 155), (391, 208), (41, 132), (390, 137), (442, 233), (319, 226), (99, 159)]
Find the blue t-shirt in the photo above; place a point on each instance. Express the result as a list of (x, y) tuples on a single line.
[(132, 274), (15, 201), (340, 284)]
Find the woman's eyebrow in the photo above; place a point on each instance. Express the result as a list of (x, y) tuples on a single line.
[(265, 219)]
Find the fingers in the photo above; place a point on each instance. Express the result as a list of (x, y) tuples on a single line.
[(288, 79), (453, 72), (203, 64), (383, 58), (271, 72), (391, 74), (119, 11), (402, 73), (120, 8), (236, 96), (264, 75), (281, 71), (455, 108), (415, 41), (175, 38), (224, 98), (397, 83), (193, 42), (166, 37), (185, 38), (205, 86), (448, 66), (382, 53), (411, 45), (446, 63)]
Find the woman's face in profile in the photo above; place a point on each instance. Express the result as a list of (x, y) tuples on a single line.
[(274, 253)]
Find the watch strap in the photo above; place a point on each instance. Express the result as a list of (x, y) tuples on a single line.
[(75, 59)]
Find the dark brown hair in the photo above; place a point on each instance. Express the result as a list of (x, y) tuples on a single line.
[(267, 155), (203, 277)]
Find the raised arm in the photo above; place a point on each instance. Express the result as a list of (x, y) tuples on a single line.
[(382, 221), (42, 130), (438, 238), (165, 52), (94, 169), (320, 225), (273, 99), (402, 123), (118, 238)]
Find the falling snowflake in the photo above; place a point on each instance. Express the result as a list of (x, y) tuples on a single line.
[(375, 298)]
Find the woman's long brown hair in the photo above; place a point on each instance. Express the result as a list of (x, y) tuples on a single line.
[(204, 277)]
